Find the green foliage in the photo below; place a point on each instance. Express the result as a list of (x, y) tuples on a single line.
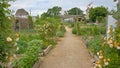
[(5, 29), (97, 13), (75, 11), (48, 28), (60, 34), (114, 56), (76, 28), (47, 31), (52, 12), (30, 22), (110, 49), (61, 30), (30, 56), (22, 45), (44, 15), (92, 30), (94, 44), (74, 31), (109, 52)]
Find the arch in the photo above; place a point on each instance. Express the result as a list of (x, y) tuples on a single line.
[(17, 25)]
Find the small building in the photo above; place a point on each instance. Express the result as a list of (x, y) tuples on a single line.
[(22, 20), (72, 18)]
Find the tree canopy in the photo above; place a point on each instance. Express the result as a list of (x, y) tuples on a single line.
[(75, 11), (97, 13), (55, 11)]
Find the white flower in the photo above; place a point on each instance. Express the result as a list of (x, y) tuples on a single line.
[(113, 30), (108, 31), (98, 53), (109, 42), (6, 53), (118, 47), (99, 66), (106, 63), (101, 57), (6, 57), (105, 38), (94, 67), (17, 48), (14, 55), (8, 39), (111, 45), (15, 44), (17, 39), (9, 18)]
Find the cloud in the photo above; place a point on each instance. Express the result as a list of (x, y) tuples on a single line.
[(40, 6), (37, 12)]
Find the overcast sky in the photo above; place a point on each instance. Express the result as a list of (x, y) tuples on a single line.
[(40, 6)]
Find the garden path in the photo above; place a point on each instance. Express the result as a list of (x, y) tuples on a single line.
[(70, 52)]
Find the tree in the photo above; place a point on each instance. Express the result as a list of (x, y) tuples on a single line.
[(97, 13), (44, 15), (75, 11), (52, 12), (55, 11)]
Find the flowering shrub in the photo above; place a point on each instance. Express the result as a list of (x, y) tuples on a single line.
[(103, 61), (10, 49), (47, 31), (49, 28), (109, 56), (7, 43)]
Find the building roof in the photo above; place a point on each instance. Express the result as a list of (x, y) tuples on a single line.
[(21, 12)]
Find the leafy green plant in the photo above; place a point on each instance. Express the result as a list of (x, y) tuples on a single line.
[(48, 27), (97, 13), (30, 56), (74, 31), (60, 34), (110, 49), (22, 47), (61, 30), (7, 41), (94, 44), (92, 30), (76, 28)]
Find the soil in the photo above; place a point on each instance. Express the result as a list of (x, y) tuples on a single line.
[(70, 52)]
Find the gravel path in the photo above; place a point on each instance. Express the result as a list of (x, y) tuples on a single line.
[(70, 52)]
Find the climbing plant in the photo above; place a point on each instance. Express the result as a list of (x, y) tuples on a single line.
[(7, 43)]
